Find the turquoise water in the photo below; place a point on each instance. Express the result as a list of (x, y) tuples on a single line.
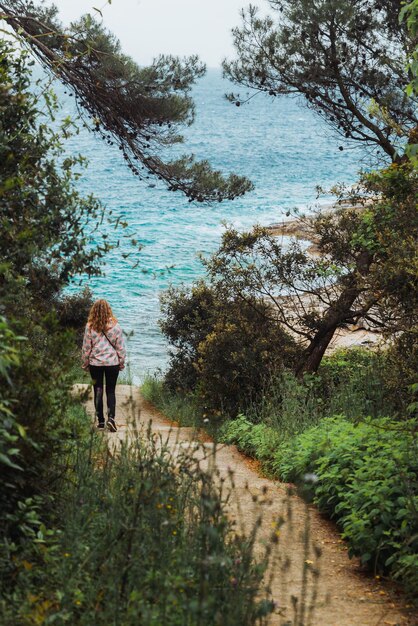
[(280, 145)]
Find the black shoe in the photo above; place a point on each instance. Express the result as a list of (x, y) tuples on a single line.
[(111, 425), (101, 425)]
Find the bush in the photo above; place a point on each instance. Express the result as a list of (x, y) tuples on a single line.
[(223, 348), (367, 479), (353, 381), (289, 405), (360, 470), (73, 309), (34, 435), (360, 382), (256, 440), (141, 537), (344, 364), (401, 370), (32, 411), (12, 433)]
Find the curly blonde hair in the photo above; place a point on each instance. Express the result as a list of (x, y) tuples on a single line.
[(101, 316)]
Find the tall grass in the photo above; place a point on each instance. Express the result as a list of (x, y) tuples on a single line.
[(180, 408), (349, 383), (139, 537)]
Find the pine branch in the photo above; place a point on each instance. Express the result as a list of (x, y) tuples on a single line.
[(138, 109)]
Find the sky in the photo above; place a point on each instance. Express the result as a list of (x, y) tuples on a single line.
[(148, 28)]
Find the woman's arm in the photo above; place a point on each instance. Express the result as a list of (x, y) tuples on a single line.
[(86, 349), (120, 346)]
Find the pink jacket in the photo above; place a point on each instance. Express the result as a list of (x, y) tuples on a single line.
[(97, 350)]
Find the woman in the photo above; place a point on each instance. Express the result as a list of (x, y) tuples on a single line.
[(104, 354)]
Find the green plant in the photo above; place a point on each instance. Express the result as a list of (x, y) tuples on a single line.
[(354, 381), (256, 440), (12, 433), (72, 310), (139, 537), (140, 109), (350, 381), (346, 60), (179, 407), (289, 405), (44, 241), (366, 477), (400, 372), (223, 348)]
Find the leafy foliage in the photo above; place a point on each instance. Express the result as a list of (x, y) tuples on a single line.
[(230, 331), (258, 441), (363, 474), (45, 240), (352, 382), (364, 273), (45, 232), (11, 431), (409, 15), (367, 479), (326, 434), (224, 347), (138, 537), (72, 310), (43, 243), (85, 537), (401, 369)]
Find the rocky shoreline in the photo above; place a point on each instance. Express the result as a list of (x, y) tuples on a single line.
[(299, 228)]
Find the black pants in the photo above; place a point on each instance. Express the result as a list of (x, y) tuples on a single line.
[(111, 373)]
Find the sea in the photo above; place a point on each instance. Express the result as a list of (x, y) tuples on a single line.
[(282, 146)]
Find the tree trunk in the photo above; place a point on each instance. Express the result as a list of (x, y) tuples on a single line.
[(337, 315)]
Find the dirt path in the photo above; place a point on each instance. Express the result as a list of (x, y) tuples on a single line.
[(345, 596)]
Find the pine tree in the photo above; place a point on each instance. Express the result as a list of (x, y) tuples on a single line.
[(347, 58), (140, 109)]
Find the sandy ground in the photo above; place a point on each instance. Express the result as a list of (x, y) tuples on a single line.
[(345, 595)]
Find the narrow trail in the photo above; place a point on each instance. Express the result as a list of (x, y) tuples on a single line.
[(345, 596)]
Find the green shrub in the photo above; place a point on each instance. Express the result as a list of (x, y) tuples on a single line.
[(236, 357), (140, 538), (351, 382), (13, 437), (223, 348), (359, 381), (35, 432), (32, 411), (72, 310), (44, 244), (401, 369), (289, 405), (345, 363), (256, 440), (366, 477)]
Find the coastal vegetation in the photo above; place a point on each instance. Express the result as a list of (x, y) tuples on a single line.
[(86, 536), (265, 307), (90, 536), (250, 342), (362, 473), (136, 537), (346, 58)]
